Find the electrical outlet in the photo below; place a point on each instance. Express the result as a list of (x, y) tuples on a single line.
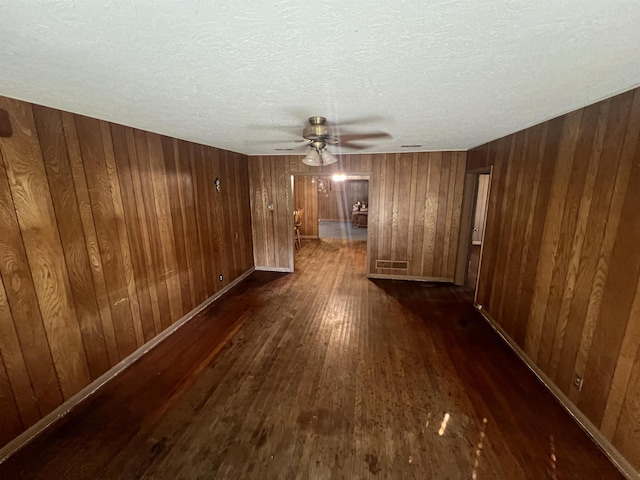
[(220, 277), (577, 381)]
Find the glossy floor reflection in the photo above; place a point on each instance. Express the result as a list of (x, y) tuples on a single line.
[(340, 229), (329, 375)]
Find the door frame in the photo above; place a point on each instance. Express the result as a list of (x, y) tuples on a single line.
[(467, 217), (373, 212)]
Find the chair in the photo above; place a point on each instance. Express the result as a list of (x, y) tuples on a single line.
[(297, 221)]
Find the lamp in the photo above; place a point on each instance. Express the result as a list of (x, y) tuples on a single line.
[(318, 155)]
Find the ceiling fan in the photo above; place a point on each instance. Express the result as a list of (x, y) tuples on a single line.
[(319, 134)]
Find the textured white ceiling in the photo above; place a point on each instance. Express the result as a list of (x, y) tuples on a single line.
[(446, 74)]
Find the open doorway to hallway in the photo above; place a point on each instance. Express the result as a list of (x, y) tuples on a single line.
[(472, 226), (477, 234)]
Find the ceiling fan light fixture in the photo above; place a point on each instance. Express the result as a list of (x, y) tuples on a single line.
[(313, 158), (327, 158)]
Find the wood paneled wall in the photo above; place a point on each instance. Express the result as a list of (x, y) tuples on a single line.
[(305, 194), (414, 209), (561, 262), (108, 235), (271, 213), (339, 197)]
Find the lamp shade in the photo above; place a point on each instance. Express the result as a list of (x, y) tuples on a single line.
[(327, 158), (313, 158)]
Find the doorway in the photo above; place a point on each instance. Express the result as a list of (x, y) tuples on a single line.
[(333, 206), (477, 234), (472, 228), (343, 207)]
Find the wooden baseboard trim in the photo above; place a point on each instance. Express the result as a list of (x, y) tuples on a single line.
[(274, 269), (412, 278), (621, 463), (51, 418)]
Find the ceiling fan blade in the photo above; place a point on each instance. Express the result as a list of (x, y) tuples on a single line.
[(356, 121), (350, 137), (353, 146)]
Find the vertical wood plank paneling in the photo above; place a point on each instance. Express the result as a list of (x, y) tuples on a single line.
[(244, 205), (386, 205), (539, 340), (90, 235), (186, 188), (513, 199), (272, 229), (517, 251), (182, 260), (572, 301), (56, 160), (165, 226), (156, 259), (96, 221), (422, 178), (501, 219), (401, 208), (611, 202), (131, 215), (547, 152), (623, 406), (305, 192), (12, 426), (617, 300), (373, 239), (36, 217), (412, 218), (141, 214), (123, 236), (431, 200), (230, 221), (283, 212), (563, 273), (14, 364), (92, 149), (23, 304), (217, 224)]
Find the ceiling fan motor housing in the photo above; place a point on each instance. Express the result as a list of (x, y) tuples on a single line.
[(317, 129)]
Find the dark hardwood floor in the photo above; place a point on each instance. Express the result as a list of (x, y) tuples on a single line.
[(322, 374)]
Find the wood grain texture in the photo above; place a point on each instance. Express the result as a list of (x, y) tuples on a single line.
[(414, 208), (41, 238), (346, 378), (561, 264), (305, 196), (102, 247), (56, 160), (338, 199)]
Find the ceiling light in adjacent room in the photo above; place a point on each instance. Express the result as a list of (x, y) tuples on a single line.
[(339, 177)]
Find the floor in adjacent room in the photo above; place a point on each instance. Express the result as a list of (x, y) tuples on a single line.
[(322, 374), (341, 229)]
